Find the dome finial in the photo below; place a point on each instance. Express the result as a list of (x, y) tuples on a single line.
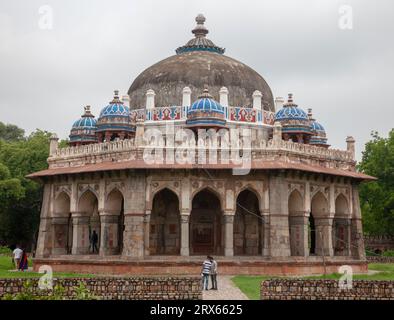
[(116, 98), (205, 93), (87, 112), (200, 30)]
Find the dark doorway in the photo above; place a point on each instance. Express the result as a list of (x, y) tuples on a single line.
[(312, 236), (206, 225)]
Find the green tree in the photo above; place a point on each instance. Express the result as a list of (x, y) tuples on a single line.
[(10, 132), (377, 197), (20, 219)]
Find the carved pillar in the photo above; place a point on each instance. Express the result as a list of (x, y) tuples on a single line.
[(147, 232), (44, 241), (324, 236), (109, 234), (357, 239), (60, 235), (229, 233), (265, 234), (185, 218), (134, 235), (81, 241), (279, 217)]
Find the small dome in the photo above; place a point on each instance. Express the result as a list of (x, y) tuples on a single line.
[(319, 137), (206, 112), (293, 119), (84, 129), (316, 126), (291, 111), (115, 116)]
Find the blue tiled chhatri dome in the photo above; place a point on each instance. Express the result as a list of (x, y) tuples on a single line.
[(206, 112), (115, 117), (319, 137), (295, 122), (83, 130)]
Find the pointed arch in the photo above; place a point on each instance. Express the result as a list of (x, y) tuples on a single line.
[(296, 202), (341, 227), (62, 205), (247, 224), (297, 224), (253, 190), (319, 205), (114, 202), (210, 189)]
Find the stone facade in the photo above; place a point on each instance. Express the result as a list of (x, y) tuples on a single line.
[(202, 177), (137, 288), (279, 289)]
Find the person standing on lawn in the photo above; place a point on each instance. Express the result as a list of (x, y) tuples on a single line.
[(17, 256)]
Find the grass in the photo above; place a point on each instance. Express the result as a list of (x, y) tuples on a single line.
[(6, 265), (250, 285)]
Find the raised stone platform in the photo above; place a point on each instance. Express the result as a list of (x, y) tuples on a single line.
[(177, 265)]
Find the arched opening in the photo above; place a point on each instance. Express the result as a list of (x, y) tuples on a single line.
[(164, 235), (319, 209), (63, 227), (206, 224), (247, 225), (341, 227), (296, 223), (113, 231), (88, 207)]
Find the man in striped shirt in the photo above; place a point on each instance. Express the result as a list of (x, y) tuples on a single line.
[(206, 270)]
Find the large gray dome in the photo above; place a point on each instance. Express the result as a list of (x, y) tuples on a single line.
[(195, 65)]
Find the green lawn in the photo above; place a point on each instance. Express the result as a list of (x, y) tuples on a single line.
[(250, 285), (6, 265)]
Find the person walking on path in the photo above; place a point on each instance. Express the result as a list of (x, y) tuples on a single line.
[(206, 270), (214, 273), (24, 263), (17, 256), (94, 241)]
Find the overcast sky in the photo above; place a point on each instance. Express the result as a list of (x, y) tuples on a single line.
[(94, 47)]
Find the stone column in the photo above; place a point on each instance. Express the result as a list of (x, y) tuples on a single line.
[(265, 236), (60, 235), (299, 235), (279, 217), (324, 236), (109, 234), (357, 239), (229, 233), (147, 233), (134, 235), (80, 234), (44, 241), (185, 243)]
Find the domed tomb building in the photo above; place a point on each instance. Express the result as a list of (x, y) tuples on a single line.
[(198, 158)]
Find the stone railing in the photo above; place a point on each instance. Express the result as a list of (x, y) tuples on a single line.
[(259, 151), (133, 288), (300, 289)]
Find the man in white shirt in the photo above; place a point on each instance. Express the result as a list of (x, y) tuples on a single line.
[(17, 257)]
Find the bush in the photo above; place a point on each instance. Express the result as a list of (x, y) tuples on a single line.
[(5, 251), (388, 253), (58, 293)]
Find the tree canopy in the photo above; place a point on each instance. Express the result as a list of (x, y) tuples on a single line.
[(377, 197), (20, 198)]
